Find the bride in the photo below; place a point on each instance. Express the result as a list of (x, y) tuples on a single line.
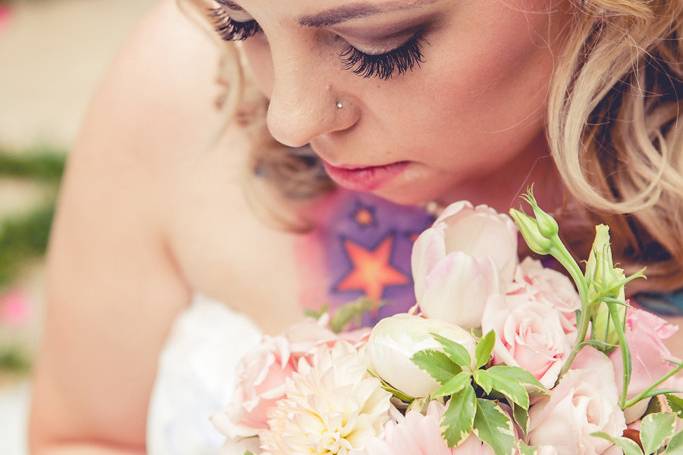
[(201, 211)]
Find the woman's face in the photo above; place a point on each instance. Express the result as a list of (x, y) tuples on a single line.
[(435, 95)]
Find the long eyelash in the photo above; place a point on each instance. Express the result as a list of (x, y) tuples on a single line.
[(231, 30), (384, 66)]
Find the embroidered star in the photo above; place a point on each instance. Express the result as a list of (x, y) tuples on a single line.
[(371, 269)]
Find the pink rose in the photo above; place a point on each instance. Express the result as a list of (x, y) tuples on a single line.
[(420, 434), (465, 257), (261, 377), (550, 286), (585, 401), (529, 333), (645, 335), (262, 374)]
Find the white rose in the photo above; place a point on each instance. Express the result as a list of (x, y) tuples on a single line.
[(394, 341)]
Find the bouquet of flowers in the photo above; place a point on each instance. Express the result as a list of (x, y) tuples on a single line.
[(497, 357)]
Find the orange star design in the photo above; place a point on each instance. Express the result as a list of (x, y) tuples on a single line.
[(371, 270), (364, 217)]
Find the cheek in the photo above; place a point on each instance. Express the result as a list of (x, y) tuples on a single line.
[(483, 87)]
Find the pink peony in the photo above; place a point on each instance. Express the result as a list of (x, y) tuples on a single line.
[(263, 373), (468, 255), (417, 434), (530, 333), (585, 401)]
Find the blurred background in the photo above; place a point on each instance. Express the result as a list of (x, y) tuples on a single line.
[(52, 55)]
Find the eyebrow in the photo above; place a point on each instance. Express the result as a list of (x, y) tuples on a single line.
[(230, 4), (358, 10), (345, 13)]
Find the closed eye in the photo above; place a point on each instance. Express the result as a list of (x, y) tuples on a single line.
[(382, 66), (230, 29)]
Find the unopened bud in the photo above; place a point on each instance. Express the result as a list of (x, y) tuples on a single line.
[(533, 237)]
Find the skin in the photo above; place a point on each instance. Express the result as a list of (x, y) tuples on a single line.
[(146, 218), (482, 87)]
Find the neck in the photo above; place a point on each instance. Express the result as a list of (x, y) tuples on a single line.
[(502, 188)]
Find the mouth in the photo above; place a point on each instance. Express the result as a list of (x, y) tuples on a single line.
[(364, 178)]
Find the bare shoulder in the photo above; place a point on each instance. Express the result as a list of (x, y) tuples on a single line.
[(113, 285)]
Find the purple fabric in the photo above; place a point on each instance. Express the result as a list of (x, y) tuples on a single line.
[(363, 229)]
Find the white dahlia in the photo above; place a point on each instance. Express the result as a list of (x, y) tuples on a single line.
[(332, 406)]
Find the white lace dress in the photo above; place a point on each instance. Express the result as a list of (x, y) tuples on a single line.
[(196, 378)]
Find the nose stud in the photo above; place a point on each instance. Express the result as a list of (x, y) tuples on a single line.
[(340, 105)]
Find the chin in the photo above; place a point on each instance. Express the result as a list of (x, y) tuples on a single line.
[(415, 193)]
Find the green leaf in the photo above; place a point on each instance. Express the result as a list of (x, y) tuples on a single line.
[(519, 375), (625, 444), (453, 386), (655, 429), (316, 314), (391, 389), (521, 417), (512, 389), (484, 348), (351, 312), (248, 452), (493, 426), (437, 364), (482, 378), (458, 420), (527, 450), (455, 351), (676, 404), (419, 404), (675, 446)]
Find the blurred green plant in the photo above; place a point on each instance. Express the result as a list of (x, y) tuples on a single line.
[(24, 236)]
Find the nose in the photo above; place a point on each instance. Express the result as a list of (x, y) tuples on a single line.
[(304, 102)]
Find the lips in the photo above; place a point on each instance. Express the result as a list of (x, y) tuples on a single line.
[(365, 178)]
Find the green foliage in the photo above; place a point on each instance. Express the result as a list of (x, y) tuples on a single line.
[(454, 385), (437, 364), (455, 351), (453, 371), (655, 429), (521, 417), (351, 313), (41, 164), (458, 420), (675, 446), (14, 360), (483, 380), (626, 445), (676, 404), (24, 237), (493, 426), (391, 389), (485, 348)]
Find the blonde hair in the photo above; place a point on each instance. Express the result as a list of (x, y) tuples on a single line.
[(613, 130)]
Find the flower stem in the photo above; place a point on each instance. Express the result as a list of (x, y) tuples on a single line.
[(646, 393)]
